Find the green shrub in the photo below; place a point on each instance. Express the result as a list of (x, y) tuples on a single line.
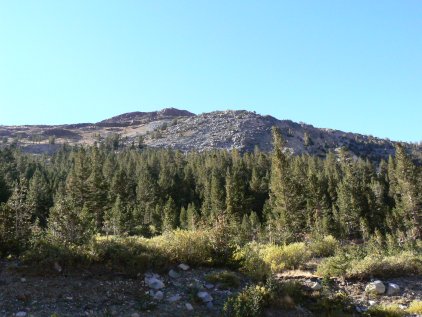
[(254, 299), (223, 279), (249, 303), (334, 266), (130, 255), (44, 253), (324, 247)]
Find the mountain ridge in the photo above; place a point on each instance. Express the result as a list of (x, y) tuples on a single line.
[(180, 129)]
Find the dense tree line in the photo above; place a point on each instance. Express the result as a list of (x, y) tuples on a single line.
[(278, 197)]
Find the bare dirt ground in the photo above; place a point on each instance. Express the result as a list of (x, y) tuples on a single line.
[(85, 294)]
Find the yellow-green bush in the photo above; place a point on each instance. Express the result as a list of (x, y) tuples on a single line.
[(291, 256), (224, 279), (415, 307), (128, 254), (346, 265), (405, 263), (192, 247), (258, 260), (251, 261), (385, 311)]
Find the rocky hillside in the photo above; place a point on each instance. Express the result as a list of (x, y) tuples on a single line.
[(181, 129)]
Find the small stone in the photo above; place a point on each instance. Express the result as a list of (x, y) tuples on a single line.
[(69, 298), (135, 315), (184, 267), (316, 286), (371, 302), (158, 295), (392, 289), (21, 314), (376, 287), (23, 280), (205, 297), (361, 309), (189, 306), (210, 305), (209, 286), (174, 298), (174, 274), (57, 267)]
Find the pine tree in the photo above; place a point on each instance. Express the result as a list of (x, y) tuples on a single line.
[(68, 223), (408, 193), (183, 218), (170, 215), (192, 217), (113, 218), (96, 187), (287, 213), (39, 197), (22, 210)]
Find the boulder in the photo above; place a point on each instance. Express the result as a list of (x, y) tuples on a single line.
[(315, 286), (205, 297), (183, 267), (154, 282), (189, 306), (174, 298), (159, 295), (376, 287), (174, 274), (57, 267), (392, 289), (21, 314)]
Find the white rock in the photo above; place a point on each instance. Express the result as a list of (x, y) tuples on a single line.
[(189, 306), (205, 297), (376, 287), (174, 274), (183, 267), (135, 315), (209, 286), (174, 298), (159, 295), (23, 280), (316, 286), (393, 289), (371, 302), (21, 314), (154, 282)]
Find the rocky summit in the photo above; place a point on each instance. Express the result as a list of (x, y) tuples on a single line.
[(183, 130)]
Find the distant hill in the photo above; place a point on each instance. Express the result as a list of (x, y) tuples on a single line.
[(181, 129)]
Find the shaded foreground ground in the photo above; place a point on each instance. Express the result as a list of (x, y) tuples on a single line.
[(87, 294)]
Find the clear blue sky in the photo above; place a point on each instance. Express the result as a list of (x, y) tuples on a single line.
[(352, 65)]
